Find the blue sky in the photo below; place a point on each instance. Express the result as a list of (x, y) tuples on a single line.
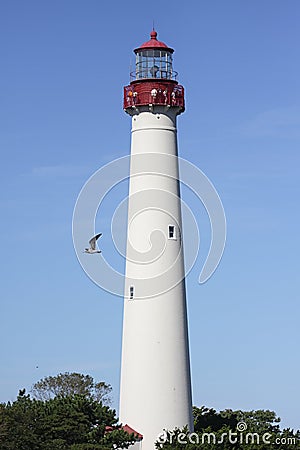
[(64, 64)]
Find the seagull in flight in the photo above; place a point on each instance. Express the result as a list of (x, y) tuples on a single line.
[(92, 243)]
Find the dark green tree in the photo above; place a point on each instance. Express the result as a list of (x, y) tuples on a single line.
[(210, 418), (17, 421), (232, 430), (73, 422)]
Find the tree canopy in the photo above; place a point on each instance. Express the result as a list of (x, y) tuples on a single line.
[(70, 422), (70, 411), (228, 429), (66, 384)]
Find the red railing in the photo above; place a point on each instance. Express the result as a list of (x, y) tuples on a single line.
[(153, 94)]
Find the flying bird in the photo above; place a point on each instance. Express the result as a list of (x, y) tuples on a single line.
[(92, 243)]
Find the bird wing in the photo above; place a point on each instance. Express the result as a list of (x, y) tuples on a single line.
[(93, 240)]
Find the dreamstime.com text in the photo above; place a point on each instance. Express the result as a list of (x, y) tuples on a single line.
[(241, 436)]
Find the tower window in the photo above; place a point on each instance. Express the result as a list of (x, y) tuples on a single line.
[(131, 292), (172, 232)]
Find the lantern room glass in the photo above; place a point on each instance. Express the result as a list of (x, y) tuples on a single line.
[(154, 64)]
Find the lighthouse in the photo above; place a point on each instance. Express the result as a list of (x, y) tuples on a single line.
[(155, 390)]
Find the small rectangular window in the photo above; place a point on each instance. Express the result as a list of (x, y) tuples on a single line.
[(131, 292), (172, 232)]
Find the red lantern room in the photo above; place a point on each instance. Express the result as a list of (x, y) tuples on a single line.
[(154, 81)]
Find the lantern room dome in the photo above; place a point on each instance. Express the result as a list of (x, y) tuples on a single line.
[(153, 82), (153, 43)]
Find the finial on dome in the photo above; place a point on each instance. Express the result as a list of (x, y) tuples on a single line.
[(153, 34), (153, 43)]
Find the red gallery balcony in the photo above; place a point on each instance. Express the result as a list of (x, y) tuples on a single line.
[(154, 93)]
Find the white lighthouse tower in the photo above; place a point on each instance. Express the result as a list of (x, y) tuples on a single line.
[(155, 391)]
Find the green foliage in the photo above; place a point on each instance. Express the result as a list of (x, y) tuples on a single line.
[(66, 384), (209, 418), (73, 422), (118, 438), (68, 413), (220, 430)]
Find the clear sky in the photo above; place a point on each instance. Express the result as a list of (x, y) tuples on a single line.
[(64, 64)]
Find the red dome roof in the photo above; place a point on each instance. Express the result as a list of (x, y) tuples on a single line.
[(153, 43)]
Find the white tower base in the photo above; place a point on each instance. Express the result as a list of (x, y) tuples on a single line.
[(155, 374)]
